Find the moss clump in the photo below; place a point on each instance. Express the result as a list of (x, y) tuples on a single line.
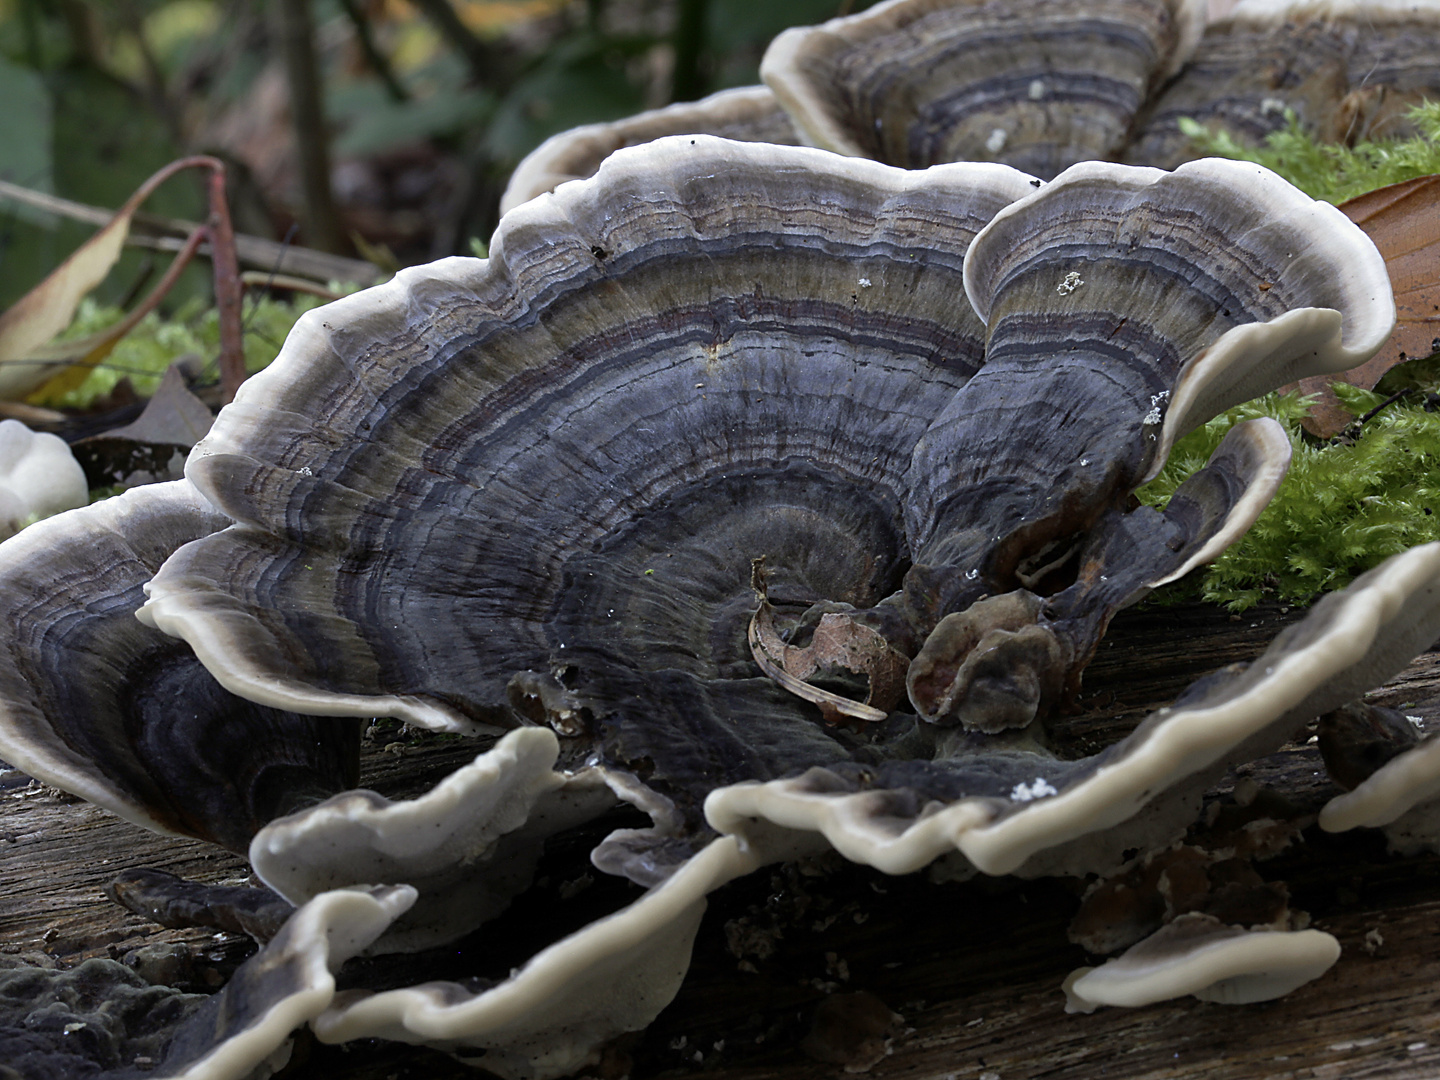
[(1348, 504), (152, 346), (1332, 172), (1344, 507)]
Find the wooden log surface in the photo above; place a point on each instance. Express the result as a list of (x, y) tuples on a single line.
[(973, 968)]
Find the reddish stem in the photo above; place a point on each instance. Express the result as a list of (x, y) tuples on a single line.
[(228, 290), (221, 234), (172, 274)]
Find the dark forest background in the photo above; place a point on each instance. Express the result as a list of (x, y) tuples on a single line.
[(383, 129)]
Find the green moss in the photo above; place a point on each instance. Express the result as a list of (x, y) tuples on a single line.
[(156, 343), (1349, 504), (1344, 507), (1333, 172)]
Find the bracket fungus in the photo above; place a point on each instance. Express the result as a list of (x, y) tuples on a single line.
[(1199, 955), (125, 717), (745, 113), (101, 1019), (468, 847), (1039, 84), (1043, 84), (725, 412), (1399, 792), (1347, 71)]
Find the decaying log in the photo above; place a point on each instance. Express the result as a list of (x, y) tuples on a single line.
[(973, 968)]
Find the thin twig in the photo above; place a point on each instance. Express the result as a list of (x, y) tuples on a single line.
[(373, 56), (254, 279), (273, 273), (256, 252), (1387, 402), (1352, 429), (228, 291), (307, 112)]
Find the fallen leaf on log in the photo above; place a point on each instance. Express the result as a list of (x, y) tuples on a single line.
[(1404, 222), (153, 448)]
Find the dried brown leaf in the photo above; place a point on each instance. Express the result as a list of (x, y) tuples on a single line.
[(838, 642), (1404, 222), (30, 358)]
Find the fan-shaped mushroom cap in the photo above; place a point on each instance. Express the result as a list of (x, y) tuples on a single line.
[(285, 985), (39, 476), (468, 846), (1002, 809), (1228, 280), (745, 114), (1160, 299), (550, 1017), (93, 702), (1039, 84), (709, 352), (1199, 955), (543, 480), (1402, 792), (1347, 69)]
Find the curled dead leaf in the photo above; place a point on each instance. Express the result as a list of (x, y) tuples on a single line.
[(839, 642)]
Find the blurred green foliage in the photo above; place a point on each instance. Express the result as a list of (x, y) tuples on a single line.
[(101, 93), (191, 331)]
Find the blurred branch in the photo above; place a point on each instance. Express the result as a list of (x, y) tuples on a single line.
[(373, 56), (155, 87), (307, 111), (30, 27), (82, 23), (228, 292), (442, 16), (688, 82), (30, 326), (166, 234), (258, 279)]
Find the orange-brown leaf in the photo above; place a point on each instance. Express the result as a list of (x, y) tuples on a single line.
[(1404, 222)]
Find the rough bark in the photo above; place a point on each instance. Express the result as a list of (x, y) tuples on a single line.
[(973, 968)]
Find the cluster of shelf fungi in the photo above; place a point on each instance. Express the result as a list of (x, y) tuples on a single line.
[(779, 494)]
